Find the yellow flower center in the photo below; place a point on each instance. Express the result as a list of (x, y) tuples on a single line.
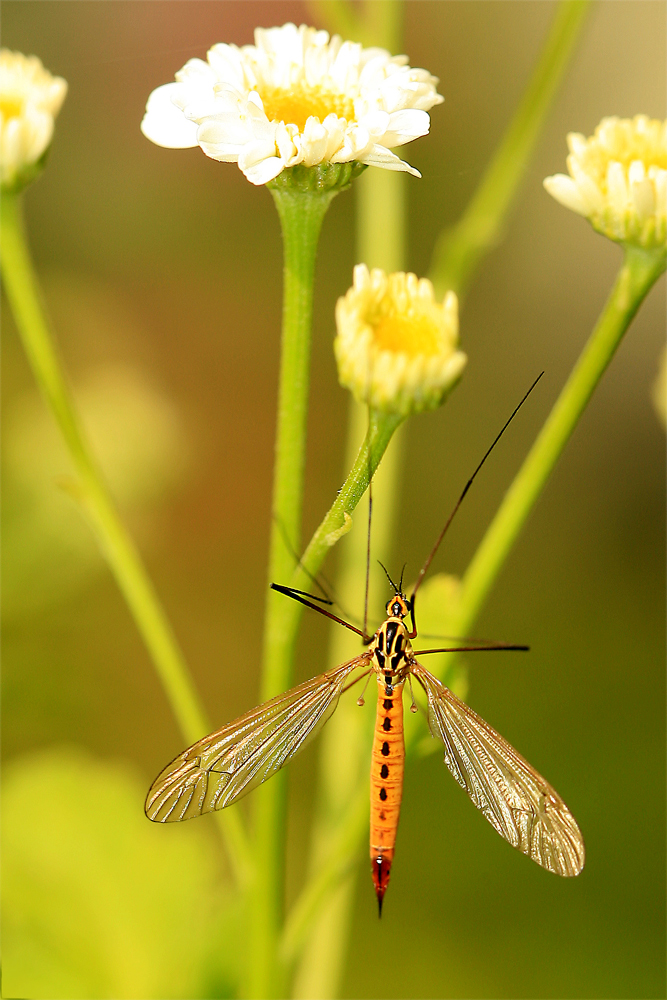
[(300, 102), (411, 333), (11, 106)]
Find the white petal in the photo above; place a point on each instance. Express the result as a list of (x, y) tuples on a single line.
[(660, 182), (228, 128), (264, 170), (255, 99), (376, 122), (617, 188), (636, 172), (254, 152), (258, 123), (379, 156), (643, 196), (164, 123), (36, 132), (356, 143), (565, 191), (289, 145), (314, 142), (227, 100), (590, 193), (576, 143), (228, 65), (335, 129), (360, 276), (197, 73), (404, 126)]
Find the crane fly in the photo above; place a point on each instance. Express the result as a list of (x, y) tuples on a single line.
[(519, 803)]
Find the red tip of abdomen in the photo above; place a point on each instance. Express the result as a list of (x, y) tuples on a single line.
[(381, 869)]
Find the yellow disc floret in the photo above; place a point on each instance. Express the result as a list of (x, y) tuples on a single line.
[(415, 333), (301, 102)]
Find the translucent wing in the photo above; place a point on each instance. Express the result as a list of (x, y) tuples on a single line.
[(224, 766), (515, 799)]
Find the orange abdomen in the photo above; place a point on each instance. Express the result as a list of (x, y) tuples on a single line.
[(387, 766)]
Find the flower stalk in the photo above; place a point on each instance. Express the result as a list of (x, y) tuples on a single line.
[(91, 491), (302, 197), (461, 249), (317, 928), (639, 272)]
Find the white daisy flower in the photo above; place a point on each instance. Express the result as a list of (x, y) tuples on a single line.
[(396, 346), (30, 99), (618, 180), (295, 96)]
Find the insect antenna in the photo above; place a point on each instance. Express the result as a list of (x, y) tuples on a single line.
[(386, 571), (429, 560), (400, 582), (475, 649)]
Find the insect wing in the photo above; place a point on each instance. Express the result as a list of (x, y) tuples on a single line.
[(224, 766), (515, 799)]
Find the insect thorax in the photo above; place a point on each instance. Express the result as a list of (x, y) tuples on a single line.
[(391, 649)]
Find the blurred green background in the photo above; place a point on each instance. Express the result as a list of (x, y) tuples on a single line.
[(162, 274)]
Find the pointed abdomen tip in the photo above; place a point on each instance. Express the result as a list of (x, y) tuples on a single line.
[(381, 868)]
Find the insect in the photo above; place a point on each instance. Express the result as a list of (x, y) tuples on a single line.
[(518, 802)]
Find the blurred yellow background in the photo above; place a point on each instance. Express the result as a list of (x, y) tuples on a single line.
[(162, 274)]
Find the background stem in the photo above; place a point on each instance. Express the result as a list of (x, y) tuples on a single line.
[(117, 547), (325, 908), (460, 249), (321, 919), (639, 272), (301, 214)]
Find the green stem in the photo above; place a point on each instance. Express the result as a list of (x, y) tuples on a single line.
[(638, 273), (460, 249), (377, 22), (338, 519), (301, 214), (381, 427), (117, 547), (318, 926)]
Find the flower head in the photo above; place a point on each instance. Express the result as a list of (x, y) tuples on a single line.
[(396, 346), (618, 180), (295, 96), (30, 99)]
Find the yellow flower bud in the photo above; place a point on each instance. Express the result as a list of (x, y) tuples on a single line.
[(396, 346), (30, 99), (618, 180)]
